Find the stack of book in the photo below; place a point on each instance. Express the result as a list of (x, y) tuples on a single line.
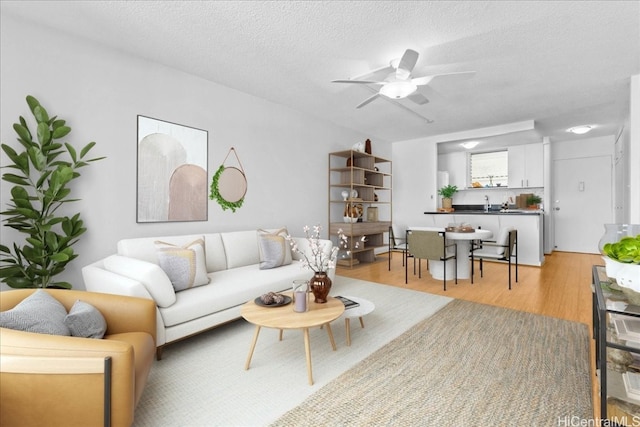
[(347, 302)]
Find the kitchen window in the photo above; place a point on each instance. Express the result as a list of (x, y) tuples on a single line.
[(490, 169)]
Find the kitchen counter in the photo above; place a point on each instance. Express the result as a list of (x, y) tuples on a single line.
[(498, 212), (528, 222)]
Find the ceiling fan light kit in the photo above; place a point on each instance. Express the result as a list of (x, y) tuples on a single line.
[(399, 84), (398, 90)]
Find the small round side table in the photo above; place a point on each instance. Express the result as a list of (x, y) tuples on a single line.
[(365, 307)]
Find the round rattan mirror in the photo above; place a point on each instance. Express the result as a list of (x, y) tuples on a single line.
[(232, 184)]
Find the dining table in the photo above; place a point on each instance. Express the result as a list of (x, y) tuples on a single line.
[(463, 241)]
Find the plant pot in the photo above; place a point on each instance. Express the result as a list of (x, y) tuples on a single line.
[(447, 202)]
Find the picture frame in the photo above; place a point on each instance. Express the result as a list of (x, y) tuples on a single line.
[(372, 214), (172, 172)]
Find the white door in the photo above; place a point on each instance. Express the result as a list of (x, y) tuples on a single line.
[(582, 202)]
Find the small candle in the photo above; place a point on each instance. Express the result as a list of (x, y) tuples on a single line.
[(300, 301)]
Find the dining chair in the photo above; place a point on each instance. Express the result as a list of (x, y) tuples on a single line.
[(430, 245), (397, 244), (504, 248)]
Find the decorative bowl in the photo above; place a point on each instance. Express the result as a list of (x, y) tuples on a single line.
[(350, 220)]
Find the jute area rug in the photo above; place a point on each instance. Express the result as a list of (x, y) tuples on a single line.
[(467, 365)]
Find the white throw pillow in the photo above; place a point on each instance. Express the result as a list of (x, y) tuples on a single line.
[(154, 279), (274, 249), (185, 265)]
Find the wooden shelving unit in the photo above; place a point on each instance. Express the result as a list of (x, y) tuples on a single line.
[(371, 177)]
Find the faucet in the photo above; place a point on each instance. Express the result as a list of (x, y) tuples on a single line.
[(486, 204)]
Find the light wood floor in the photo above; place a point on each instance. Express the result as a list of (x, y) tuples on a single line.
[(560, 288)]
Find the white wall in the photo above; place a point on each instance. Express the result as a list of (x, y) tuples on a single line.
[(100, 92), (414, 181), (633, 161)]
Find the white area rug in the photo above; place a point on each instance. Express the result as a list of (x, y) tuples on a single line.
[(202, 382)]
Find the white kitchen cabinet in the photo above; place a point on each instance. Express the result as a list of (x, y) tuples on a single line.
[(526, 166), (530, 237)]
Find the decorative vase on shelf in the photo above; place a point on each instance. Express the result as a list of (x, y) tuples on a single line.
[(320, 285)]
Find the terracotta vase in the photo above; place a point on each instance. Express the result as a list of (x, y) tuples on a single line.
[(320, 285)]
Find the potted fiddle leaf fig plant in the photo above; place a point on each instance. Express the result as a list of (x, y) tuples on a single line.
[(447, 193), (41, 174)]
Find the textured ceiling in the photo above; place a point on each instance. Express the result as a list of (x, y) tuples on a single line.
[(560, 63)]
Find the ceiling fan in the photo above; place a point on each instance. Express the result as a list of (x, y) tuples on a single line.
[(399, 83)]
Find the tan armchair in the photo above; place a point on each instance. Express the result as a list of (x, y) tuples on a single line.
[(64, 381)]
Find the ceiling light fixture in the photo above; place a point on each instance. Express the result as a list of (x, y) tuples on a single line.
[(580, 130), (399, 89), (470, 144)]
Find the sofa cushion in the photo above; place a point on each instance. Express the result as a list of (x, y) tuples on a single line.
[(214, 251), (39, 312), (241, 248), (86, 321), (274, 249), (144, 248), (185, 265), (154, 279), (230, 288)]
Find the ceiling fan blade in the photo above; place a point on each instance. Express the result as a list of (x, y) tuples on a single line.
[(407, 62), (368, 100), (368, 82), (421, 81), (409, 110), (418, 98)]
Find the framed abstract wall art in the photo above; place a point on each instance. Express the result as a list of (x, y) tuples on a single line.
[(172, 172)]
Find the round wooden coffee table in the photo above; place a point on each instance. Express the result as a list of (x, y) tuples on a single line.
[(285, 318)]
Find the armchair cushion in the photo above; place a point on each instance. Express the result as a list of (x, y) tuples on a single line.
[(86, 321), (39, 313)]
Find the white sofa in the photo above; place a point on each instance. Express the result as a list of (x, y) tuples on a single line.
[(232, 264)]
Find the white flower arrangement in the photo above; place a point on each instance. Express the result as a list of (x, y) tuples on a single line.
[(315, 258)]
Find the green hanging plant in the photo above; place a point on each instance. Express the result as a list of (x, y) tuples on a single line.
[(215, 193), (41, 174)]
